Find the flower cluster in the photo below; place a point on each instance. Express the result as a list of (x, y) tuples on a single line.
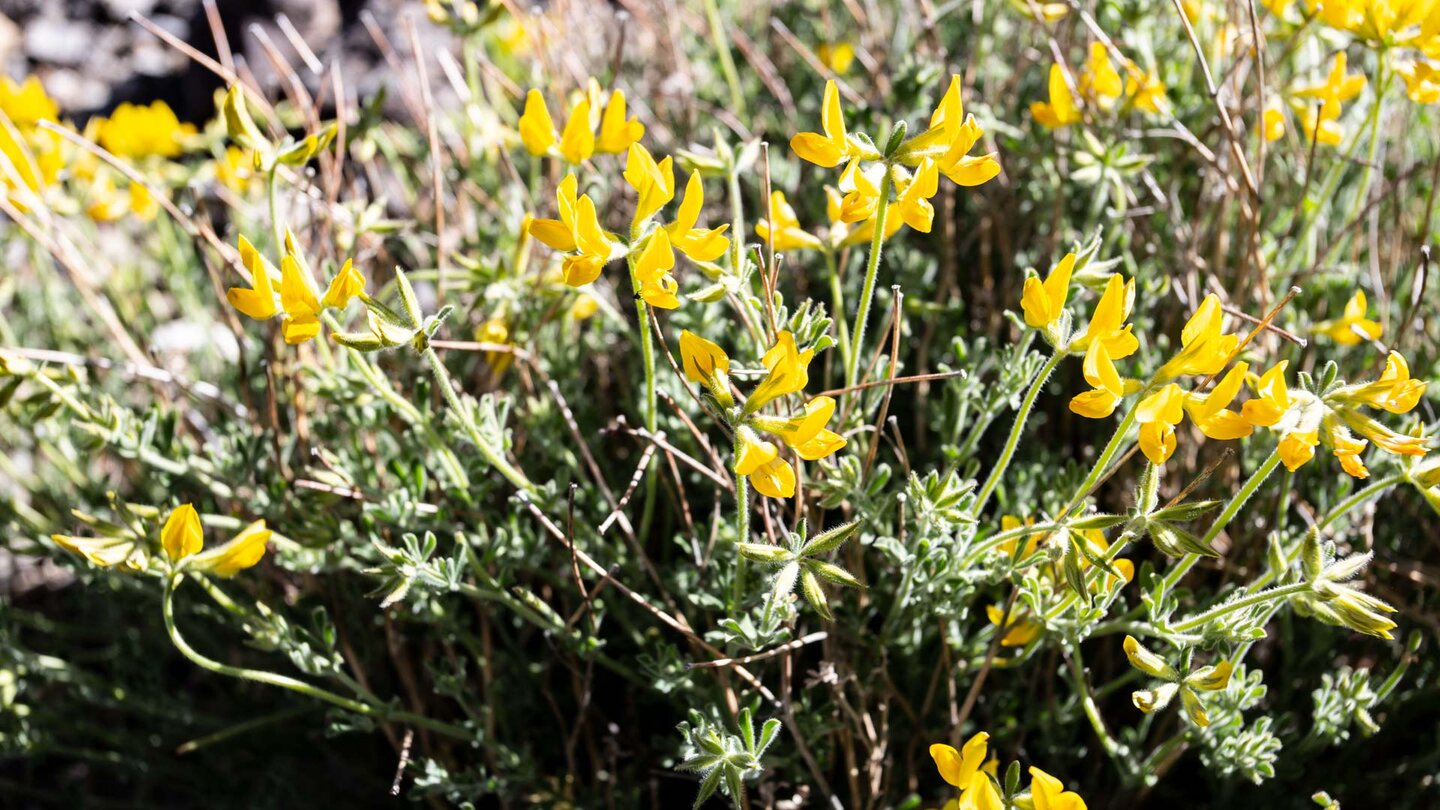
[(1188, 685), (1099, 86), (804, 431), (296, 298), (182, 541), (579, 140), (976, 778)]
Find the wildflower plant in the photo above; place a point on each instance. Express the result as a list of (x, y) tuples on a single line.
[(1043, 386)]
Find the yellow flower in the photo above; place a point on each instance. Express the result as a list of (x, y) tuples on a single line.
[(1107, 323), (752, 452), (699, 244), (1211, 411), (243, 551), (1205, 348), (1272, 123), (182, 534), (1297, 448), (789, 373), (833, 146), (537, 128), (298, 298), (959, 133), (774, 479), (965, 770), (105, 552), (704, 362), (347, 284), (804, 431), (788, 235), (1108, 387), (652, 270), (494, 330), (106, 203), (1145, 89), (1049, 793), (577, 141), (235, 169), (912, 205), (1100, 79), (1048, 12), (1020, 630), (1061, 110), (577, 234), (1395, 391), (861, 185), (1422, 81), (654, 182), (141, 131), (616, 132), (1158, 415), (1319, 129), (1044, 302), (258, 302), (1272, 398), (26, 104), (837, 56), (1337, 87), (1352, 326)]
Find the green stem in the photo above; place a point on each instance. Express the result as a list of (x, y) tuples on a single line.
[(1016, 430), (1232, 508), (293, 684), (742, 533), (1252, 600), (837, 307), (652, 415), (867, 292), (1102, 463), (494, 456), (727, 62), (1113, 749)]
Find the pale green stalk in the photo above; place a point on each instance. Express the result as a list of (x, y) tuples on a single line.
[(993, 480), (494, 456), (872, 269), (1232, 508)]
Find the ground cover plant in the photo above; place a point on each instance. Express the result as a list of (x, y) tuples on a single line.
[(808, 404)]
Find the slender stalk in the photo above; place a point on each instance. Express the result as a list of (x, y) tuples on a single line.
[(837, 308), (1232, 508), (872, 269), (1113, 748), (1112, 448), (742, 534), (998, 471), (727, 62), (494, 456), (647, 355), (286, 682), (1281, 592)]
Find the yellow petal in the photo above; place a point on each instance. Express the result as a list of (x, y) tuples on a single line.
[(537, 129), (240, 553), (182, 534), (347, 284), (577, 142)]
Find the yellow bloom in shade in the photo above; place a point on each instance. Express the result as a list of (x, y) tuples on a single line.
[(1205, 348), (297, 296), (1044, 302), (788, 235), (1061, 110), (616, 132), (577, 233), (141, 131), (1107, 324), (789, 373), (1352, 326), (1395, 391), (1422, 80), (537, 128), (654, 182), (652, 270), (833, 146), (182, 534), (243, 551), (912, 205), (699, 244), (258, 302), (1020, 630), (1319, 129), (1158, 415), (1297, 448), (1049, 793), (105, 552), (577, 142), (774, 479)]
